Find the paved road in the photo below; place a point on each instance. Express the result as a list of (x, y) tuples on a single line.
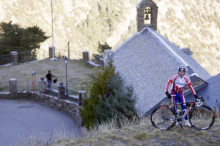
[(21, 119)]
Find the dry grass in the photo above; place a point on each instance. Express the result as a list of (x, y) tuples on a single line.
[(41, 139), (144, 134), (130, 134), (79, 73)]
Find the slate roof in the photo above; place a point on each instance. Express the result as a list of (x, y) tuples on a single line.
[(211, 92), (146, 61)]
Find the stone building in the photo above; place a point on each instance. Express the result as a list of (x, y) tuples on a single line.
[(147, 60), (210, 92)]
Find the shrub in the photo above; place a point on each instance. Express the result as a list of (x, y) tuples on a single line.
[(97, 92), (108, 100), (118, 103), (102, 48)]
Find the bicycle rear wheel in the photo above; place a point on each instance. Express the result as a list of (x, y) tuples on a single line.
[(202, 117), (163, 117)]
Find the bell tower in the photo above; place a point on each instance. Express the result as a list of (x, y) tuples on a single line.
[(147, 14)]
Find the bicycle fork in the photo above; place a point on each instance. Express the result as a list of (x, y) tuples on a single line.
[(179, 118)]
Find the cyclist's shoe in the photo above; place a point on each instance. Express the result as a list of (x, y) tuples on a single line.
[(187, 123)]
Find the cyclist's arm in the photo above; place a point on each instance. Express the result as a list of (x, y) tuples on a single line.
[(188, 82), (192, 89), (168, 84)]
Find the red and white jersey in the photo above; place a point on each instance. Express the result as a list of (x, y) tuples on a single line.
[(179, 83)]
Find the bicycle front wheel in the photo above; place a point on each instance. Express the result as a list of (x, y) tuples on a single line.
[(202, 117), (163, 117)]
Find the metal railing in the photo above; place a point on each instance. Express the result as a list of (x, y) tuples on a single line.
[(22, 85), (54, 86), (5, 59), (72, 92), (4, 86), (27, 85), (26, 56)]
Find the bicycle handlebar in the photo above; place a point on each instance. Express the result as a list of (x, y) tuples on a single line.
[(199, 101)]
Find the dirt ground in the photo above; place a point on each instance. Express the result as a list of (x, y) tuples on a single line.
[(78, 73)]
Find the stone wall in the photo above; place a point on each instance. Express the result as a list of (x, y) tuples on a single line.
[(69, 107)]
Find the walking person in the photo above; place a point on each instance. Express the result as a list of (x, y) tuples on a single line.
[(49, 78)]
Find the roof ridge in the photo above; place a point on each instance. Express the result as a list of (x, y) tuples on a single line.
[(167, 46), (133, 36)]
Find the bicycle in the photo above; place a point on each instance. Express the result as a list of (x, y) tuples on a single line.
[(201, 116)]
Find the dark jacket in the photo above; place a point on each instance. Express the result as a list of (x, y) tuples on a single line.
[(49, 76)]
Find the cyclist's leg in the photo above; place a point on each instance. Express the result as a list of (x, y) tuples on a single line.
[(174, 100), (182, 100)]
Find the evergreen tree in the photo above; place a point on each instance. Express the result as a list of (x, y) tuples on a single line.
[(15, 38), (97, 92), (118, 103), (102, 48), (108, 100)]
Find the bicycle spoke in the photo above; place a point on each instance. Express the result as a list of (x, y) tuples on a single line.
[(202, 117), (162, 118)]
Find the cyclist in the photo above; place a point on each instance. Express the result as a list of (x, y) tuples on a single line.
[(179, 80)]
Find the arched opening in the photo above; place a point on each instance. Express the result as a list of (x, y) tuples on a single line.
[(147, 16)]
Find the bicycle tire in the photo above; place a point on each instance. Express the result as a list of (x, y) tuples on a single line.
[(202, 117), (163, 117)]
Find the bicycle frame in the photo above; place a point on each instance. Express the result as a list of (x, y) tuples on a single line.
[(201, 116), (192, 103)]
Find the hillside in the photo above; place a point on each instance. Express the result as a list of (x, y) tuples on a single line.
[(194, 24), (144, 134), (82, 23)]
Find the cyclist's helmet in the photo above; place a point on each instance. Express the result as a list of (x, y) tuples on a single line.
[(182, 68)]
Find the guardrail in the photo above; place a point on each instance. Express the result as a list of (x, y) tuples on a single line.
[(5, 59), (17, 57)]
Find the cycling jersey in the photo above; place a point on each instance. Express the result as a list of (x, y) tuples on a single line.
[(179, 83)]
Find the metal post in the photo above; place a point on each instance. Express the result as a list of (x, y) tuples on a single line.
[(27, 86), (52, 23), (68, 49), (33, 81), (66, 82), (66, 61), (52, 47)]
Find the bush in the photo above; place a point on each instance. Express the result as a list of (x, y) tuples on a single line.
[(104, 47), (96, 92), (118, 104), (108, 100)]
